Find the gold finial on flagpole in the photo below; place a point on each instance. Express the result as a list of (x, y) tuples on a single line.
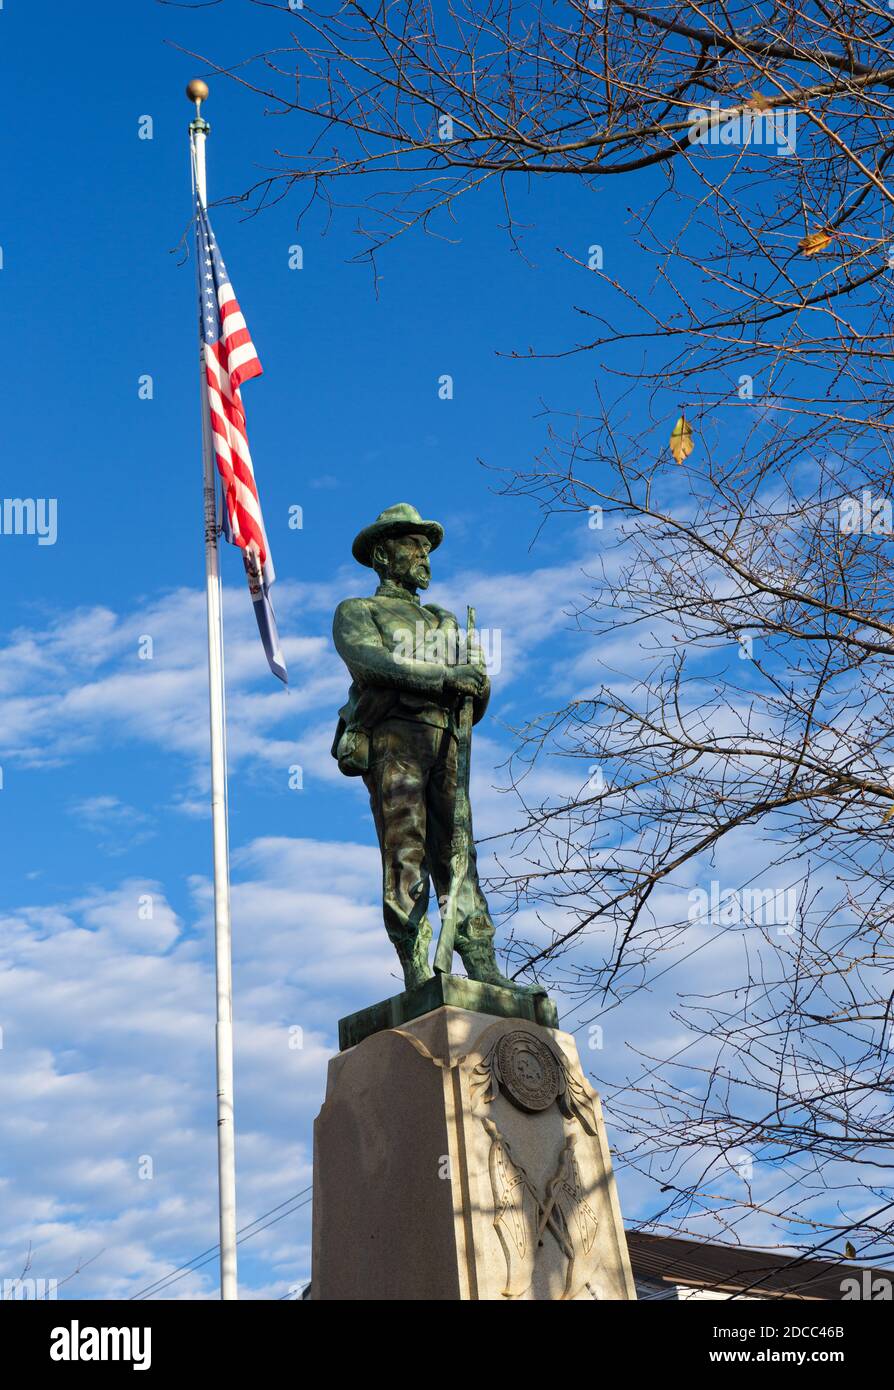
[(197, 92)]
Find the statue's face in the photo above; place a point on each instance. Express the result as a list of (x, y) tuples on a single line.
[(408, 562)]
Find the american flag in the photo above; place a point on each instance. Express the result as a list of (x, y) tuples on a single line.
[(230, 359)]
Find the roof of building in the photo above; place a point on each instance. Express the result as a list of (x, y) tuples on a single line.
[(734, 1269)]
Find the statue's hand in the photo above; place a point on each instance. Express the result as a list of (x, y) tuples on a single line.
[(470, 678)]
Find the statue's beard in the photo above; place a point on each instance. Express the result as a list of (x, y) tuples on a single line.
[(417, 577)]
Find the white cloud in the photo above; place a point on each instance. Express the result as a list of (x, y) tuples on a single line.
[(107, 1060)]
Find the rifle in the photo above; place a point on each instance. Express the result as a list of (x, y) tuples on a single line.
[(461, 835)]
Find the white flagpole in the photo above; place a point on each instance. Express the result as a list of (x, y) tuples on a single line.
[(197, 91)]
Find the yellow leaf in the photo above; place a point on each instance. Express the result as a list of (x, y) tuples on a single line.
[(814, 242), (681, 445)]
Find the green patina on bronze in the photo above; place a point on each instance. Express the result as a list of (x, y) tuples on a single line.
[(440, 990), (418, 686)]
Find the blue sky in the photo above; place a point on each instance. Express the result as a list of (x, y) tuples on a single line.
[(107, 1017)]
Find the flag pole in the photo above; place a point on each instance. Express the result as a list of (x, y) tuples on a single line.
[(197, 92)]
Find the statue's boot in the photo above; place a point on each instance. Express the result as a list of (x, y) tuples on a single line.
[(477, 954), (412, 952)]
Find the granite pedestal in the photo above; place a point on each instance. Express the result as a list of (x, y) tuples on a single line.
[(462, 1155)]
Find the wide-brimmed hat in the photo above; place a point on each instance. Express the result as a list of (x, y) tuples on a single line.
[(399, 520)]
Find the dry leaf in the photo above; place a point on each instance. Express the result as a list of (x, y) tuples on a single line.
[(815, 242), (681, 444)]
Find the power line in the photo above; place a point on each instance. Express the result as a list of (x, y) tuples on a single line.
[(244, 1233), (176, 1277), (240, 1240)]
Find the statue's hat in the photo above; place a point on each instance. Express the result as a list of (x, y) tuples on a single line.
[(399, 520)]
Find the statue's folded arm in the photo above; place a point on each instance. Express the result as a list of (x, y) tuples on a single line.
[(361, 647)]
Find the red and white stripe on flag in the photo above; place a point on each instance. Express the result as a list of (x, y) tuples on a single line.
[(228, 362), (231, 359)]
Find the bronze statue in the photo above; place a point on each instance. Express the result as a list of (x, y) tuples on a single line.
[(417, 688)]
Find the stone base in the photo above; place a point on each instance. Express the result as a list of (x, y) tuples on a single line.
[(455, 990), (463, 1156)]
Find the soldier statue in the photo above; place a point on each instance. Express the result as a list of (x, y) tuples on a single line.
[(417, 688)]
